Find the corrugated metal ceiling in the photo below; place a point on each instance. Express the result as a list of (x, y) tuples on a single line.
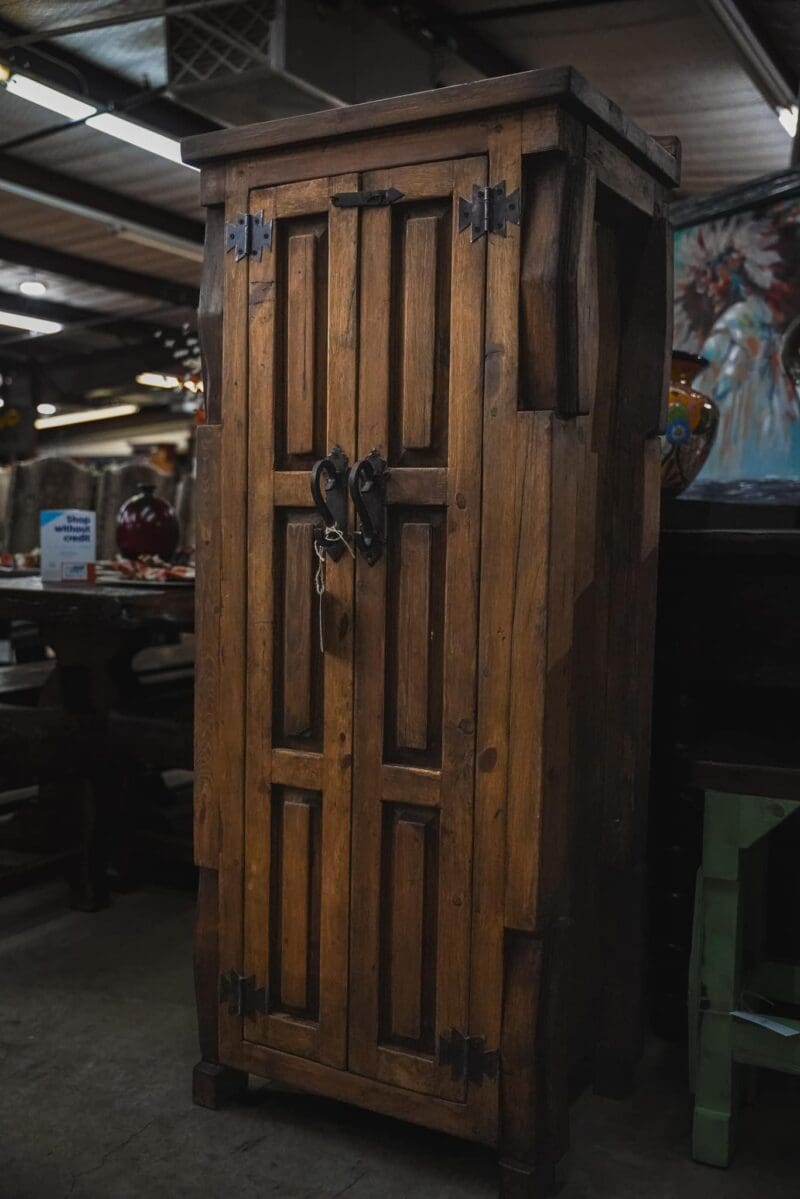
[(666, 62), (669, 66)]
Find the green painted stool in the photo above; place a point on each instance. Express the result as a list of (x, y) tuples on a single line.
[(728, 972)]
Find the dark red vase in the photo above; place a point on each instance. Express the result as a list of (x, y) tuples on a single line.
[(147, 525)]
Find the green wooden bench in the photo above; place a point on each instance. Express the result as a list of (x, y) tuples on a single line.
[(732, 983)]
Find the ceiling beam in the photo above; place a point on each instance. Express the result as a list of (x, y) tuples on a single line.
[(508, 11), (111, 18), (758, 61), (53, 64), (453, 32), (86, 199), (99, 274)]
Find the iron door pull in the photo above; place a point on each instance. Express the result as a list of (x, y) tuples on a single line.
[(367, 483), (329, 492)]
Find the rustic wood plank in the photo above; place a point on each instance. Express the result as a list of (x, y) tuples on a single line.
[(413, 635), (406, 484), (528, 668), (300, 344), (370, 602), (555, 84), (255, 564), (419, 331), (406, 929), (338, 724), (498, 551), (207, 674), (616, 171), (401, 783), (298, 644), (295, 768), (295, 897)]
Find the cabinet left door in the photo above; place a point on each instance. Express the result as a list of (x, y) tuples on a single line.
[(285, 857)]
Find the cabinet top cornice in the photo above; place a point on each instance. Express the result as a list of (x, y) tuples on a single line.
[(562, 86)]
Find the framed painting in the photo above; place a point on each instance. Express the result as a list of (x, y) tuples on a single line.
[(737, 292)]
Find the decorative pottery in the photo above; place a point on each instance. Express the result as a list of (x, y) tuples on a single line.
[(692, 420), (147, 525)]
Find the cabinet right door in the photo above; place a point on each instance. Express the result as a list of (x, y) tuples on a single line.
[(422, 292)]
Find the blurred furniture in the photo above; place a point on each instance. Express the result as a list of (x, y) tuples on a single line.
[(184, 506), (118, 483), (5, 489), (95, 632), (40, 484), (60, 753), (735, 991), (727, 666), (421, 842)]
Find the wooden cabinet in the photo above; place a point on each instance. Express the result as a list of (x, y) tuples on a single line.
[(419, 793)]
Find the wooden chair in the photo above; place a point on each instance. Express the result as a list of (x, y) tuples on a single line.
[(730, 972), (44, 483), (116, 484)]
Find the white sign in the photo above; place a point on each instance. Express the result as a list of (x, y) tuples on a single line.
[(67, 545)]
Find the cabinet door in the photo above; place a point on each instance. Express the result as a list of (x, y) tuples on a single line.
[(301, 389), (420, 391)]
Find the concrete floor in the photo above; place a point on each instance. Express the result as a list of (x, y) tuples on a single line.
[(96, 1050)]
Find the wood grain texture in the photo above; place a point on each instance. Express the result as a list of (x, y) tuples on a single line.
[(450, 834), (406, 931), (207, 657), (295, 902), (555, 84), (499, 550), (419, 331), (300, 344), (234, 512), (413, 636)]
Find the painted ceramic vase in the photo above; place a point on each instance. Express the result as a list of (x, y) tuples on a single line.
[(692, 420), (147, 525)]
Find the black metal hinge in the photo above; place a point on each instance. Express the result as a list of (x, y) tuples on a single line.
[(468, 1058), (489, 211), (248, 235), (374, 198), (242, 995)]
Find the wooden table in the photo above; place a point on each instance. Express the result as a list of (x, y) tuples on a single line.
[(94, 631)]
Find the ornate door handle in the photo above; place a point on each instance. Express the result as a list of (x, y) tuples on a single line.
[(329, 492), (367, 483)]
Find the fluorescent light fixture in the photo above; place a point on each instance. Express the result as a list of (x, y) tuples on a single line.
[(788, 118), (47, 97), (151, 379), (105, 122), (46, 409), (32, 287), (168, 382), (31, 324), (84, 417), (137, 135)]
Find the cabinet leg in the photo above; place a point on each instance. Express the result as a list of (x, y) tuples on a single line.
[(216, 1086), (534, 1114), (520, 1180)]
